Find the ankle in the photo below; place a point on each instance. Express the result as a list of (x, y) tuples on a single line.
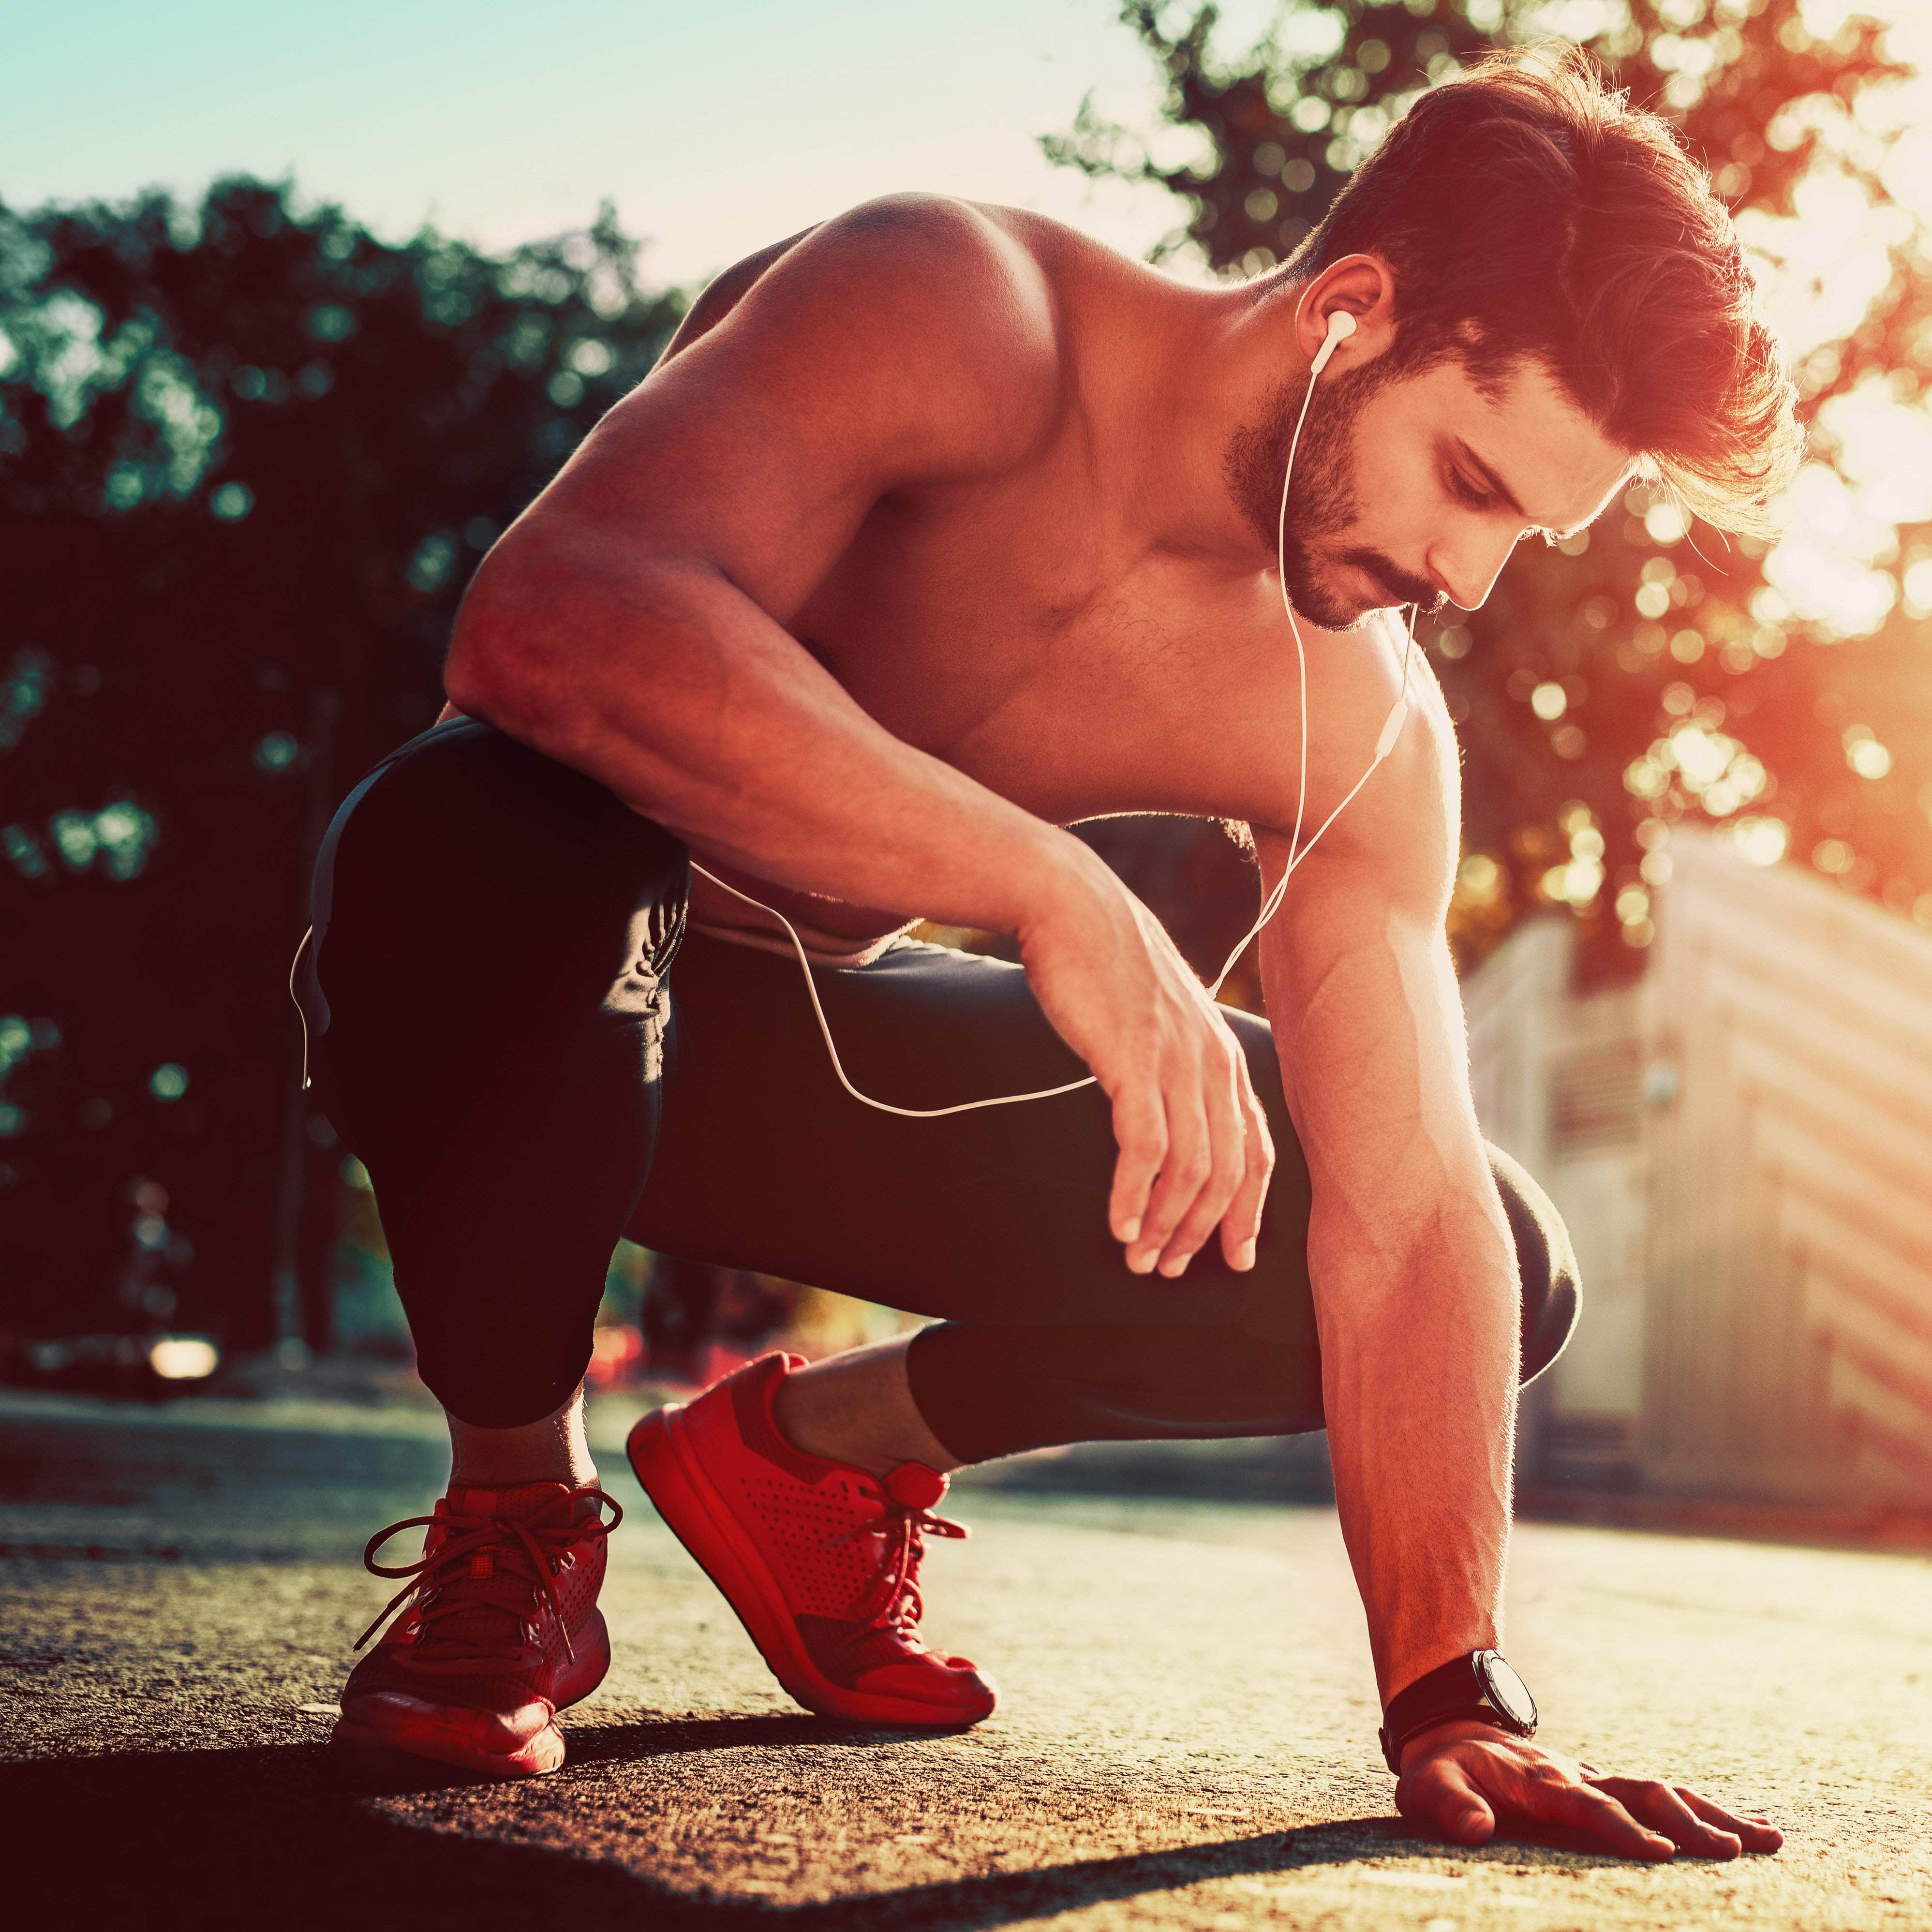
[(553, 1449), (468, 1476), (833, 1445), (857, 1408)]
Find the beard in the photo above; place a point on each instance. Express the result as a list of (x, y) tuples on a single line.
[(1316, 561)]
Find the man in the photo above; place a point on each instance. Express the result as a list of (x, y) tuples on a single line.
[(938, 528)]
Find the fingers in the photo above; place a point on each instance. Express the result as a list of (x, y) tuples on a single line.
[(1194, 1149), (1664, 1811), (1756, 1835), (1463, 1790), (1186, 1169), (1224, 1128), (1590, 1809), (1462, 1787), (1441, 1795), (1242, 1223), (1140, 1131), (1539, 1789), (1705, 1830)]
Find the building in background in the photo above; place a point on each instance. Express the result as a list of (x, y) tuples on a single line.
[(1741, 1144)]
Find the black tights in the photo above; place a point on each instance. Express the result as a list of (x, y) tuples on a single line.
[(490, 991)]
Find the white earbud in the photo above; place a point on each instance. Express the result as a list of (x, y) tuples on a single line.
[(1341, 326)]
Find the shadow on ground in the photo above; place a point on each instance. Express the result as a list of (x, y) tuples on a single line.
[(296, 1835)]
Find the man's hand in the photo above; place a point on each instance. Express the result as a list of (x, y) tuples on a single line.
[(1467, 1779), (1195, 1151)]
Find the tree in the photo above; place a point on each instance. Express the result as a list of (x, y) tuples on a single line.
[(248, 455), (1654, 674)]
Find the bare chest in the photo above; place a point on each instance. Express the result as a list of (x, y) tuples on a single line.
[(1022, 638)]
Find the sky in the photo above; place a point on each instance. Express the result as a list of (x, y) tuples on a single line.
[(715, 125)]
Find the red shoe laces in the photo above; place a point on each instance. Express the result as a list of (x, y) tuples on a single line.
[(896, 1600), (527, 1552)]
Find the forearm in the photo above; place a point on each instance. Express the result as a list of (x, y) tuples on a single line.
[(673, 689), (1419, 1379), (1416, 1298)]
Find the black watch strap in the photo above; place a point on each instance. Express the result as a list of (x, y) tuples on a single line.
[(1477, 1684)]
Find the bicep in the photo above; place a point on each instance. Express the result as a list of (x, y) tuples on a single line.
[(1362, 995), (1360, 935), (1361, 992)]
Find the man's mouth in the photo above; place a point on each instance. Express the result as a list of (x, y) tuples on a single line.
[(1385, 596), (1392, 586)]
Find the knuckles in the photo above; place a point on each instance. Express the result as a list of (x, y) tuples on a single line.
[(1191, 1171)]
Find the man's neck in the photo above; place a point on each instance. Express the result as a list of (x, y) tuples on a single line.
[(1218, 360)]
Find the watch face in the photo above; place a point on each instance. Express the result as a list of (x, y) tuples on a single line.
[(1508, 1691)]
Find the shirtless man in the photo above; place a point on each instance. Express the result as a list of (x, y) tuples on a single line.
[(938, 528)]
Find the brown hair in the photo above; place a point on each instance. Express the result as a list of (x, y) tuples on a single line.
[(1528, 211)]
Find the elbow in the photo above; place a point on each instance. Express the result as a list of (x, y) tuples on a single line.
[(480, 688), (467, 684), (504, 664)]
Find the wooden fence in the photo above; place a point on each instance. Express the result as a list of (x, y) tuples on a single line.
[(1742, 1145)]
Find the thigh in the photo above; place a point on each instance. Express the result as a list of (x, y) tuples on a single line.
[(986, 1390), (998, 1215)]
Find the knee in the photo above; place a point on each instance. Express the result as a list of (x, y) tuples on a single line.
[(475, 849), (1550, 1287)]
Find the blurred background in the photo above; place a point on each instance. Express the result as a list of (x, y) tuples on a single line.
[(299, 308)]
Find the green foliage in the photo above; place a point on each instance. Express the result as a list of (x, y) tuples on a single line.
[(249, 454), (1650, 677)]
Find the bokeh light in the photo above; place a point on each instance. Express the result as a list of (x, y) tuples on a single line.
[(183, 1357), (169, 1081)]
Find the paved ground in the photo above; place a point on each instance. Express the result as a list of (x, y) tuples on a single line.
[(1186, 1738)]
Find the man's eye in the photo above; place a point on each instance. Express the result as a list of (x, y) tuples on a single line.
[(1476, 497)]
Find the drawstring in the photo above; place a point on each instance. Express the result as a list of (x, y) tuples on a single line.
[(294, 965)]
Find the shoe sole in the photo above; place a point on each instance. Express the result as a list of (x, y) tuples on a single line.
[(700, 1519), (423, 1737), (543, 1753)]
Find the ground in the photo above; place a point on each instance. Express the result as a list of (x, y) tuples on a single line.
[(1185, 1737)]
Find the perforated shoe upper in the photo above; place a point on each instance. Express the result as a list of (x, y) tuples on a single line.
[(845, 1547)]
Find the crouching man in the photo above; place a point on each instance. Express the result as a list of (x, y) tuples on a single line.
[(939, 528)]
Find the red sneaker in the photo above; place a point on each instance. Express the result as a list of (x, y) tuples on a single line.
[(503, 1631), (819, 1560)]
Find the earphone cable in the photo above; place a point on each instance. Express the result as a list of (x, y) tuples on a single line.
[(831, 1046), (1297, 852)]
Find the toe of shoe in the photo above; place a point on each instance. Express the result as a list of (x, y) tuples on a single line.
[(517, 1743), (950, 1687)]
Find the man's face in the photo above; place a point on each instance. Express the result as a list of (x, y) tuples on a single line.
[(1414, 489)]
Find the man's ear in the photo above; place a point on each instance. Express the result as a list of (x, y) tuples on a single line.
[(1364, 286)]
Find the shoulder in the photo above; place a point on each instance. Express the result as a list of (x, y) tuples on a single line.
[(947, 303), (935, 244)]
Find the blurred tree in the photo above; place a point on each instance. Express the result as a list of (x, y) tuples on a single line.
[(249, 454), (1652, 674)]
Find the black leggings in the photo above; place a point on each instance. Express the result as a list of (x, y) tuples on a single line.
[(488, 993)]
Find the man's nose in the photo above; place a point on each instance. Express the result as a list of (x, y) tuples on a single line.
[(1467, 568)]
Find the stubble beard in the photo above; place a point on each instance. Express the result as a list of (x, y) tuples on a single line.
[(1321, 500)]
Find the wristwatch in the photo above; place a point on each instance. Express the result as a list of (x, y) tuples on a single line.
[(1477, 1684)]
